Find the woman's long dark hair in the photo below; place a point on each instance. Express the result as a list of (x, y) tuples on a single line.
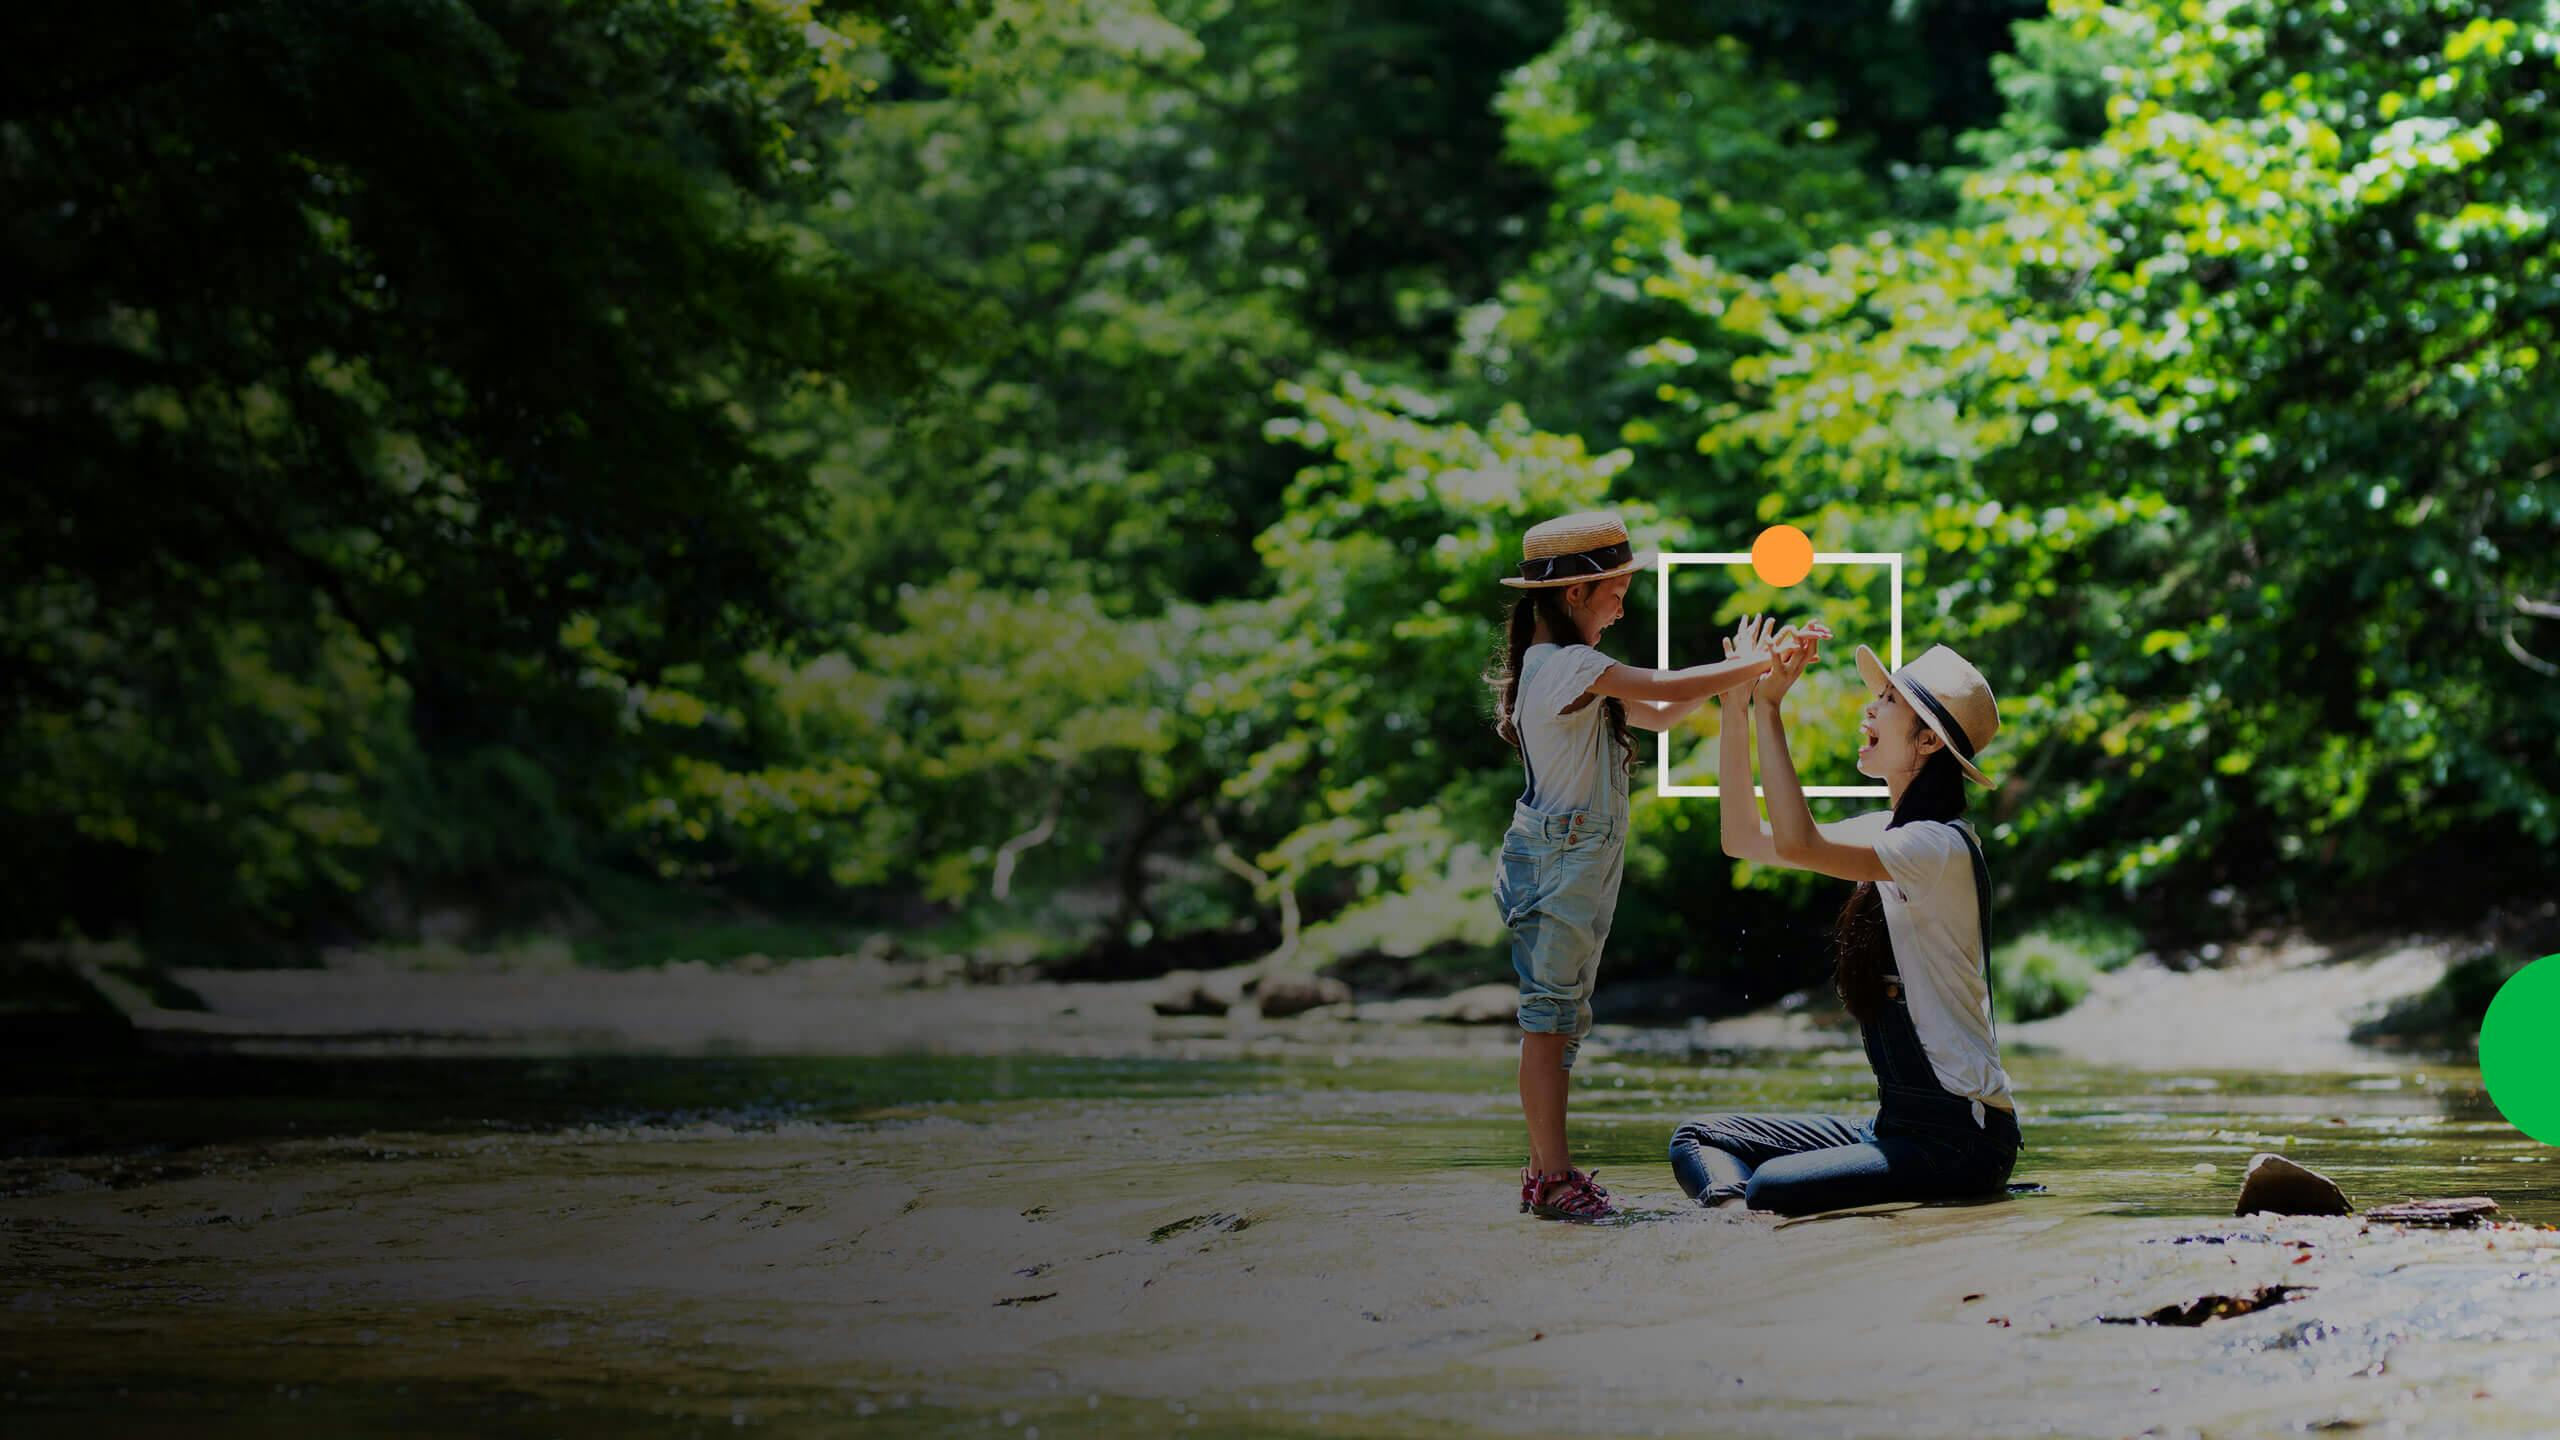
[(1863, 948), (1533, 606)]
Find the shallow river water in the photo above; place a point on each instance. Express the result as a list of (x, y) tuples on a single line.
[(1300, 1240)]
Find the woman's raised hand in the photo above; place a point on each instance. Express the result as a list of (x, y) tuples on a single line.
[(1790, 664), (1752, 638)]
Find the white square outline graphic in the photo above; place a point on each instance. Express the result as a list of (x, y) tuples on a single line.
[(1662, 640)]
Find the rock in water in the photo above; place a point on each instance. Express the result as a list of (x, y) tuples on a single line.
[(1480, 1005), (1185, 992), (2277, 1186), (1284, 995), (1194, 992)]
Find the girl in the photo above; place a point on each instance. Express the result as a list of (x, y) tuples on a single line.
[(1557, 881), (1912, 943)]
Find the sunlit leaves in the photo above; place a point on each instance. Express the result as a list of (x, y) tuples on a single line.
[(2273, 304)]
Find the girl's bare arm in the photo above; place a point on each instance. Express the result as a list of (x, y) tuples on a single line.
[(1659, 699), (1695, 684), (1664, 714)]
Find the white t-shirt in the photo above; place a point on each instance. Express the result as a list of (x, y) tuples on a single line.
[(1573, 758), (1935, 922)]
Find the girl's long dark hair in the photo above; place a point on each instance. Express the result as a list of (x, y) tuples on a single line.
[(1547, 604), (1864, 949)]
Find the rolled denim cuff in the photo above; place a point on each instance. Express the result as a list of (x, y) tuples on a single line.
[(1550, 1015)]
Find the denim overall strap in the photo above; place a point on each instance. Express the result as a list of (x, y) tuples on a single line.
[(1620, 781), (1982, 902), (1531, 788), (1620, 806)]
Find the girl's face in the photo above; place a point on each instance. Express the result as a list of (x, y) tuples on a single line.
[(1892, 741), (1598, 605)]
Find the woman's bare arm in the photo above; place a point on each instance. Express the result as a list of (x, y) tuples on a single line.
[(1738, 813), (1738, 822), (1799, 843)]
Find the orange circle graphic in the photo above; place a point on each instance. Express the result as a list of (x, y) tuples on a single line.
[(1782, 555)]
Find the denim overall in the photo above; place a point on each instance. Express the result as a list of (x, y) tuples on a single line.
[(1557, 885), (1923, 1144)]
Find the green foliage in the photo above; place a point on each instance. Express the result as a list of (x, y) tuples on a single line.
[(381, 381), (2105, 940), (1129, 298), (1042, 467), (2050, 968), (1911, 75), (1653, 151), (2227, 431), (2448, 1013), (1388, 545), (2182, 422), (1159, 215), (1382, 139)]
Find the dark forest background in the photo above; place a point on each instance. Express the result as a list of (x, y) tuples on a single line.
[(1028, 479)]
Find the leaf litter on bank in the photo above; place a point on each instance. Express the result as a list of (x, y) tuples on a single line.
[(2213, 1307)]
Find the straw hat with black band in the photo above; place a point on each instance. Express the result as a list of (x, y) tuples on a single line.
[(1950, 696), (1575, 549)]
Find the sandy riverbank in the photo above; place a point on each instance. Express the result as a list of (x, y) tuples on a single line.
[(1330, 1250), (2282, 1008)]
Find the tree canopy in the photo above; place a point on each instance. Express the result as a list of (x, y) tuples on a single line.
[(1046, 464)]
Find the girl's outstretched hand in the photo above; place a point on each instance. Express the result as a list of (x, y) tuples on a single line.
[(1808, 639), (1761, 637)]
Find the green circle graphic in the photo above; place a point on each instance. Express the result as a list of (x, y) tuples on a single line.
[(2518, 1062)]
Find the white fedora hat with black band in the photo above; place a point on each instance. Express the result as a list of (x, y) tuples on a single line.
[(1951, 697), (1574, 549)]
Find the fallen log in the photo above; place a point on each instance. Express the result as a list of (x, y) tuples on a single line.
[(2450, 1213)]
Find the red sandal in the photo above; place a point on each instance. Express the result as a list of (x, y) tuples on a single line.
[(1571, 1196)]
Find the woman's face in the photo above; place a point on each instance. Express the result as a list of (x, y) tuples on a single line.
[(1598, 605), (1891, 739)]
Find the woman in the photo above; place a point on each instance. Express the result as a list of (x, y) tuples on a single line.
[(1912, 944)]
